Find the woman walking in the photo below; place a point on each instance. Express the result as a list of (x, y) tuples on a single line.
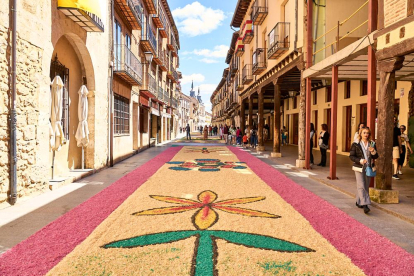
[(323, 144), (205, 132), (362, 153), (312, 134), (405, 144)]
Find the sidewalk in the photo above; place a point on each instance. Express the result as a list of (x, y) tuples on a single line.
[(346, 182)]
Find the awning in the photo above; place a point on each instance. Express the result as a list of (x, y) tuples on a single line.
[(86, 13), (155, 111)]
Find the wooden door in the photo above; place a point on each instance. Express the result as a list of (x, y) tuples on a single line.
[(295, 128), (348, 127)]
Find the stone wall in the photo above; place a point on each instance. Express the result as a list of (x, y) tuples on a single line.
[(31, 173), (394, 10)]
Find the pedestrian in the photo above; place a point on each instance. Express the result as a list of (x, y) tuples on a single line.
[(210, 130), (253, 137), (323, 144), (215, 130), (201, 130), (225, 133), (230, 137), (356, 135), (238, 136), (221, 131), (266, 131), (188, 130), (245, 140), (405, 144), (205, 132), (363, 152), (312, 134), (284, 135), (396, 150)]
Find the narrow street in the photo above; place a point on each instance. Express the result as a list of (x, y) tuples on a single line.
[(201, 207)]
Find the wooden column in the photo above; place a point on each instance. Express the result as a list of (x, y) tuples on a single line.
[(309, 57), (301, 162), (242, 116), (250, 112), (372, 68), (334, 112), (260, 120), (276, 121), (384, 142)]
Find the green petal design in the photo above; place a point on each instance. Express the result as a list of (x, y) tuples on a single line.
[(259, 241), (151, 239)]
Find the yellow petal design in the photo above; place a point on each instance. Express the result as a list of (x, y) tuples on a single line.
[(205, 218), (176, 200), (164, 211), (207, 197), (245, 212), (243, 200)]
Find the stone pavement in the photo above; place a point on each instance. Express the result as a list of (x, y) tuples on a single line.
[(394, 222)]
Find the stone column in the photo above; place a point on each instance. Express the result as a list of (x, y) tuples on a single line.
[(334, 109), (260, 120), (242, 116), (382, 192), (250, 112), (276, 122), (301, 162)]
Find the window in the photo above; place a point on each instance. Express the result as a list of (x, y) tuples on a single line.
[(121, 116), (295, 102), (128, 41), (315, 97), (328, 94), (347, 89), (287, 104), (364, 88), (117, 43)]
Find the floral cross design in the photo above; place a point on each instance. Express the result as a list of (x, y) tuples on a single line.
[(205, 258)]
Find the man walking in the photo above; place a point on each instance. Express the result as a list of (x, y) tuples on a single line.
[(397, 149), (187, 129)]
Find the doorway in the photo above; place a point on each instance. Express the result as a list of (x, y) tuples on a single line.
[(295, 128), (348, 127)]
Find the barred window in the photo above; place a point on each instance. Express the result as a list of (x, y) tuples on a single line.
[(121, 116)]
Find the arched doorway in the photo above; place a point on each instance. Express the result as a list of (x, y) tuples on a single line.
[(71, 59)]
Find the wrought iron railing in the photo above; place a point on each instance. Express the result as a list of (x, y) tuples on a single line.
[(259, 11), (148, 34), (278, 40), (247, 76), (152, 84), (127, 62), (259, 61)]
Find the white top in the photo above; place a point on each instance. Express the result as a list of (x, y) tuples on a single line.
[(404, 139), (356, 140)]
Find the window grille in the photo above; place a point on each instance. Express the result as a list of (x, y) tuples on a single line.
[(121, 116)]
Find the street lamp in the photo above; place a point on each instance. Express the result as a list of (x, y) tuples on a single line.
[(292, 94), (148, 57)]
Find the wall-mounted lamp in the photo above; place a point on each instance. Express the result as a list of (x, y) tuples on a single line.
[(148, 57), (292, 94)]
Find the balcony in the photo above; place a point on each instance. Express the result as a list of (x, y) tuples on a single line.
[(148, 40), (172, 44), (238, 84), (248, 32), (247, 76), (259, 61), (160, 59), (131, 12), (239, 49), (151, 6), (152, 85), (127, 66), (278, 40), (160, 95), (166, 97), (159, 19), (234, 67), (259, 12)]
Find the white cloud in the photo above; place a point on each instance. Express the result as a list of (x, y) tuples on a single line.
[(207, 89), (193, 77), (208, 105), (219, 51), (195, 19), (207, 60)]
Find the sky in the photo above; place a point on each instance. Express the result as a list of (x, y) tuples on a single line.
[(205, 36)]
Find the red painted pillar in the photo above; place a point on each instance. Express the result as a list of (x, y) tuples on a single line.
[(372, 68), (334, 109)]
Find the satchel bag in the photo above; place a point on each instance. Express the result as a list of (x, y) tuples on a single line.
[(371, 171), (323, 146)]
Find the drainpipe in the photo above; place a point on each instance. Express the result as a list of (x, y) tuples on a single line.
[(296, 26), (13, 157), (111, 92)]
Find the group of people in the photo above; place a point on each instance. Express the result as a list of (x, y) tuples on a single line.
[(211, 130), (235, 136)]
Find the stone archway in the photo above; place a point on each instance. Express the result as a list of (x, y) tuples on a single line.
[(73, 53)]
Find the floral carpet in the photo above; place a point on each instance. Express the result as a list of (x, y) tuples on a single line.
[(206, 211)]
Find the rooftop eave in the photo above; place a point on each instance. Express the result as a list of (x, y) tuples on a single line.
[(240, 12)]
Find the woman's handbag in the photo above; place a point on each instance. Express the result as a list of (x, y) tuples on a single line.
[(371, 172)]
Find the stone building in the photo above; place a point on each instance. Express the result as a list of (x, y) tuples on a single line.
[(125, 52), (293, 63)]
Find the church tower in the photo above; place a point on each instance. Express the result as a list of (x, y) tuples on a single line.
[(199, 96), (192, 92)]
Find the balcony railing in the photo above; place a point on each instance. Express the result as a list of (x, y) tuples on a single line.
[(126, 65), (160, 59), (278, 40), (148, 40), (234, 67), (152, 84), (259, 12), (131, 12), (238, 84), (172, 44), (160, 95), (248, 32), (166, 97), (259, 61), (247, 76)]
